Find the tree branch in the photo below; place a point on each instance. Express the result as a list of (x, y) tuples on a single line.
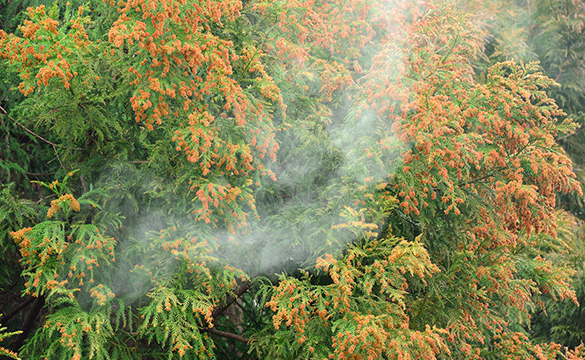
[(34, 134), (486, 176), (223, 352), (29, 322), (226, 335), (37, 174), (218, 311), (571, 134), (11, 314), (245, 312)]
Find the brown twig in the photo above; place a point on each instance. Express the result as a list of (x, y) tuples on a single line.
[(226, 335), (34, 134), (5, 136), (245, 312), (223, 352), (58, 158), (37, 174), (41, 199)]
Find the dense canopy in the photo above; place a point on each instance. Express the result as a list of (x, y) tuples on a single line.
[(222, 179)]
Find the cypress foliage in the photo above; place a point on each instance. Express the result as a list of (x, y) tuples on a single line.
[(282, 179)]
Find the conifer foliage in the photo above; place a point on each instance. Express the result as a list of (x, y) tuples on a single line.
[(277, 180)]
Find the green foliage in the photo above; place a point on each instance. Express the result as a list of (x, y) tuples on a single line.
[(549, 32), (4, 335), (290, 179), (561, 322), (361, 308)]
